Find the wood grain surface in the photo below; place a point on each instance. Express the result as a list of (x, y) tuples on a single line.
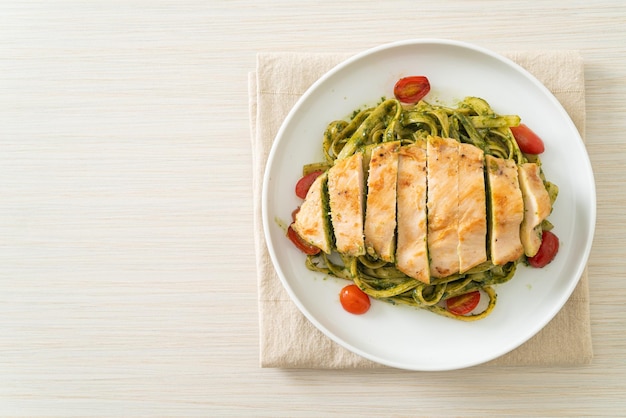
[(127, 274)]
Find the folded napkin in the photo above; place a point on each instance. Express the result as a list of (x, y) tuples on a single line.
[(287, 338)]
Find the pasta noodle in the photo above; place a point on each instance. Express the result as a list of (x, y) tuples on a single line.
[(474, 122)]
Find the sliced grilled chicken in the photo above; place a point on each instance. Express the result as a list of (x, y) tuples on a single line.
[(443, 205), (436, 208), (312, 223), (412, 249), (380, 208), (537, 207), (472, 208), (507, 210), (346, 191)]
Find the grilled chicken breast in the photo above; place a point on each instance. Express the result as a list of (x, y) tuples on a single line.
[(472, 208), (507, 210), (312, 223), (435, 208), (443, 204), (537, 207), (346, 193), (380, 212), (412, 248)]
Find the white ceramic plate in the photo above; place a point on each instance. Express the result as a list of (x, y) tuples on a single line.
[(405, 337)]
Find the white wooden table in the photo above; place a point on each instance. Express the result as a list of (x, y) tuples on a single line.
[(127, 276)]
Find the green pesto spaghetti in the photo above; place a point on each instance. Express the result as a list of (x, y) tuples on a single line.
[(472, 122)]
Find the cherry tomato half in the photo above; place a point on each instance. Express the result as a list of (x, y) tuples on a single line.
[(528, 141), (294, 213), (463, 304), (354, 300), (301, 244), (304, 184), (547, 251), (411, 89)]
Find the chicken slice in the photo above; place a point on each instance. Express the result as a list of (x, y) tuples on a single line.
[(380, 212), (312, 223), (412, 250), (537, 207), (346, 201), (443, 204), (506, 208), (472, 208)]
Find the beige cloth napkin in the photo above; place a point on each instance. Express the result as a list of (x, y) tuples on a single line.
[(287, 338)]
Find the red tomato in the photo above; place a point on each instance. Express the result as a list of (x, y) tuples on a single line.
[(528, 141), (302, 245), (354, 300), (294, 213), (411, 89), (304, 184), (547, 251), (463, 304)]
